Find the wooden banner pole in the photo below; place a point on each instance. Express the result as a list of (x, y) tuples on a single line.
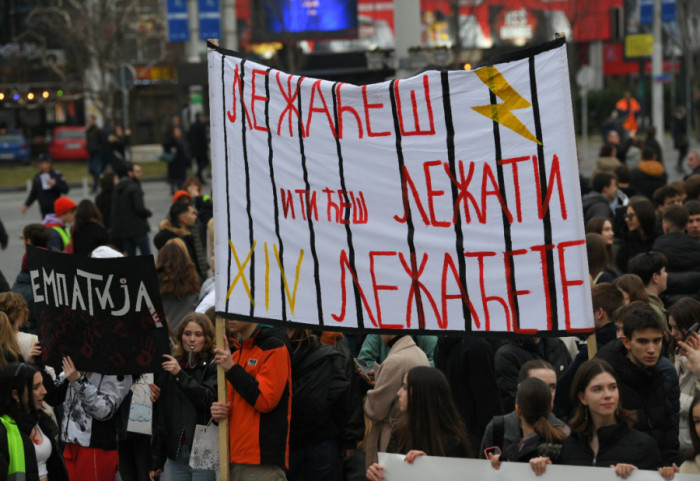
[(221, 343)]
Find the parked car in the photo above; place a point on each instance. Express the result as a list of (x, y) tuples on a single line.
[(68, 143), (14, 147)]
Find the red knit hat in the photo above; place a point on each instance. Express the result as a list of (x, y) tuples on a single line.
[(181, 193), (63, 205)]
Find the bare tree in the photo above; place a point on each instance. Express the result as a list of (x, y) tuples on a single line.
[(91, 33)]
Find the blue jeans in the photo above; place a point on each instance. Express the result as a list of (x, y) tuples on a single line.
[(315, 463), (179, 469), (141, 241), (95, 167)]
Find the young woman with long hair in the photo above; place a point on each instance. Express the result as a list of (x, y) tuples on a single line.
[(23, 423), (178, 281), (604, 227), (600, 428), (681, 317), (9, 348), (632, 288), (692, 464), (88, 231), (430, 424), (533, 403), (187, 390), (15, 306), (598, 258), (640, 218)]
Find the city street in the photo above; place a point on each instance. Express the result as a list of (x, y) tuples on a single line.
[(157, 198)]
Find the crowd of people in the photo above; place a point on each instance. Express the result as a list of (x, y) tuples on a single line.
[(320, 405)]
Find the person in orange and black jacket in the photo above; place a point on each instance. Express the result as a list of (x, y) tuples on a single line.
[(259, 395)]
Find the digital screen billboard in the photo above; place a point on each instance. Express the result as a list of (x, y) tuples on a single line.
[(303, 19)]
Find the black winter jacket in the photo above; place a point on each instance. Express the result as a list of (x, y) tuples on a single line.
[(617, 444), (468, 365), (89, 236), (185, 400), (513, 354), (319, 396), (47, 197), (643, 391), (129, 214), (681, 250), (631, 244)]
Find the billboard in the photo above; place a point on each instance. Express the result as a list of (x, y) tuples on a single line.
[(303, 19)]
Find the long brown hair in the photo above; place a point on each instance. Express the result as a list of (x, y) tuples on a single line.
[(177, 274), (595, 226), (534, 402), (179, 352), (431, 416), (9, 348), (301, 340), (634, 287), (15, 306), (581, 422)]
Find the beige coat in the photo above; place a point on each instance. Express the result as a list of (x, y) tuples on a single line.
[(691, 467), (382, 405)]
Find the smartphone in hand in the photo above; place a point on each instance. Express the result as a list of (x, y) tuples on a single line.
[(364, 369)]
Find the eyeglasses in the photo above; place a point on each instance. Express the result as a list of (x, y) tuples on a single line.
[(630, 216)]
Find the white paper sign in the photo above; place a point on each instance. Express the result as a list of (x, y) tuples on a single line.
[(449, 469), (141, 410), (448, 201)]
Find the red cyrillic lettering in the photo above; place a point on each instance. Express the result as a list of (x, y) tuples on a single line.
[(381, 287), (314, 89), (555, 173), (482, 286), (433, 193), (516, 183), (287, 202), (290, 101), (237, 90), (449, 263), (407, 182), (367, 107), (488, 176), (414, 108), (343, 109), (565, 282), (255, 97)]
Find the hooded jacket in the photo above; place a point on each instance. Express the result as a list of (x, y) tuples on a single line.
[(596, 204), (259, 389), (58, 232), (168, 231), (648, 176)]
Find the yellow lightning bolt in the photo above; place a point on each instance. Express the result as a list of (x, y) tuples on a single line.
[(512, 100)]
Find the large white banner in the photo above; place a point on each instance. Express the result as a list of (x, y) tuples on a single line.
[(448, 201), (449, 469)]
